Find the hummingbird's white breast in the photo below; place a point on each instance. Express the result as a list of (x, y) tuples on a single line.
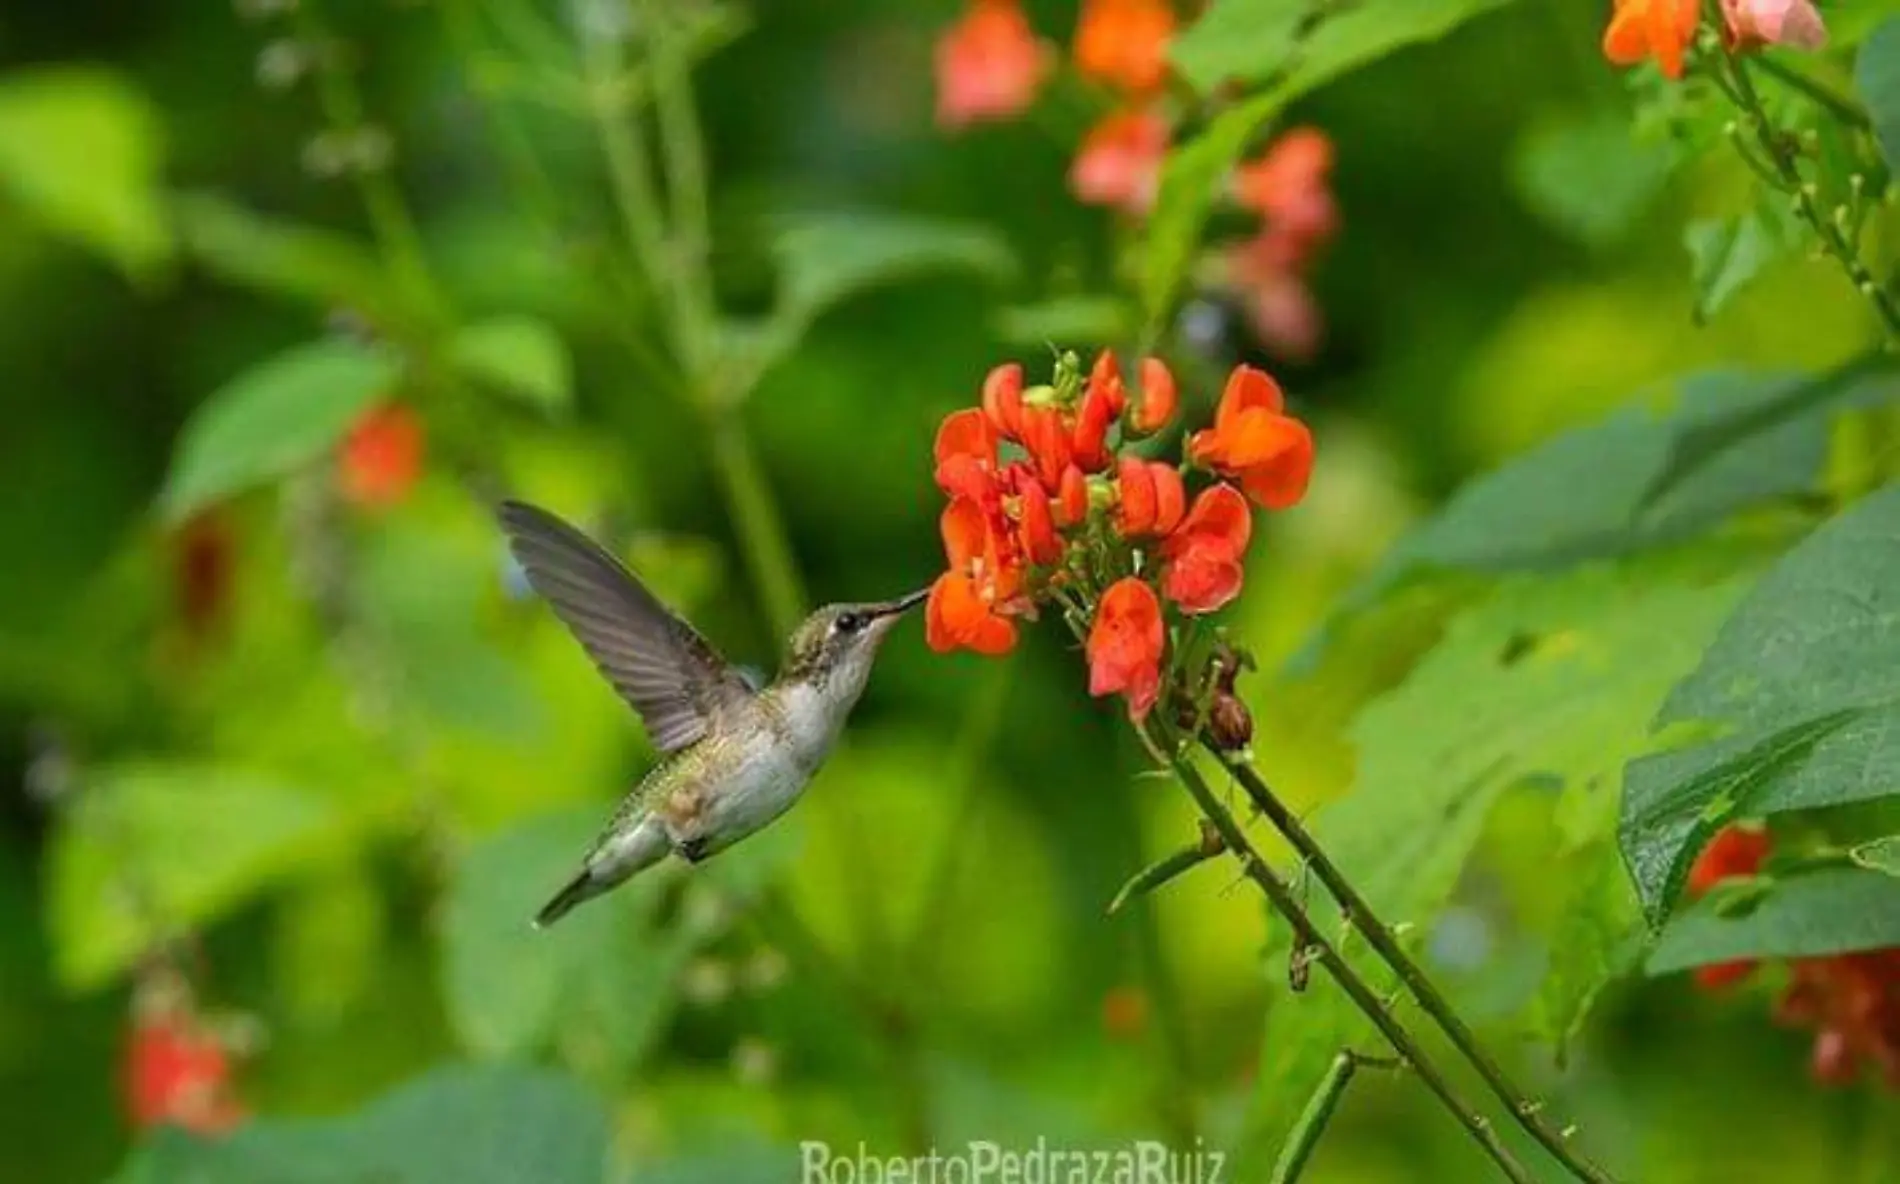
[(773, 760)]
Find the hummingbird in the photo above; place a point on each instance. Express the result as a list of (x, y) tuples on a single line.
[(733, 755)]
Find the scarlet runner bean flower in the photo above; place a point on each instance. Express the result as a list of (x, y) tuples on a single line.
[(382, 456), (990, 65), (1642, 29), (1125, 42), (177, 1070), (1752, 24), (1119, 162), (1050, 505), (1851, 1000)]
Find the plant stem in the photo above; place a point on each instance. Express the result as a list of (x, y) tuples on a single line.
[(1741, 89), (1306, 1134), (1839, 106), (1360, 916), (1307, 935)]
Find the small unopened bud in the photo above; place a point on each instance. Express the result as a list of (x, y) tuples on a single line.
[(1229, 723)]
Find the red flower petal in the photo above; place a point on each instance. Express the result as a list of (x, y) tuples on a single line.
[(1135, 515), (1125, 645), (989, 65)]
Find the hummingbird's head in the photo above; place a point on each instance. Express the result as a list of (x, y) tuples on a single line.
[(835, 646)]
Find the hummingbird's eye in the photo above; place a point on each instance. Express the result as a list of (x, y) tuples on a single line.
[(848, 622)]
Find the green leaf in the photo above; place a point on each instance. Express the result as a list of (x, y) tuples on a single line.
[(1879, 855), (825, 259), (1594, 492), (519, 356), (1599, 938), (1877, 76), (277, 258), (1252, 40), (1743, 423), (1222, 45), (80, 150), (1834, 911), (1726, 253), (465, 1125), (600, 983), (1548, 679), (154, 848), (1065, 320), (1589, 176), (273, 419), (1803, 681)]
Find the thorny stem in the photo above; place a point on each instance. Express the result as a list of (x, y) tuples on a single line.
[(1731, 72), (1360, 916), (1287, 904), (1305, 1136)]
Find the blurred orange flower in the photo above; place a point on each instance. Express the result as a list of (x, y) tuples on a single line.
[(1125, 42), (990, 65), (381, 458), (1119, 162)]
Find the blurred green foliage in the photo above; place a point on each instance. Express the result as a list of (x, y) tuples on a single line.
[(343, 789)]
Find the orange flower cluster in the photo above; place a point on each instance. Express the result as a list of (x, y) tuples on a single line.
[(991, 64), (1851, 1001), (1048, 502)]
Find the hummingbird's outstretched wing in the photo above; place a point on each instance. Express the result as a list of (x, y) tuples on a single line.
[(672, 677)]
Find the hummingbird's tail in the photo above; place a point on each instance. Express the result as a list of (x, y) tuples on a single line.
[(582, 887)]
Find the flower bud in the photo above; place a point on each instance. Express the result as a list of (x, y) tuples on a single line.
[(1229, 724), (1105, 381), (1072, 500), (1003, 399), (1157, 399)]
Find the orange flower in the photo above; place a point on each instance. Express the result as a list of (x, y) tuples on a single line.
[(1735, 851), (177, 1070), (1072, 497), (1048, 442), (1254, 440), (1288, 187), (1105, 381), (1040, 541), (1125, 645), (1152, 411), (1003, 400), (1125, 42), (1203, 569), (1152, 497), (1100, 408), (381, 457), (1651, 28), (1119, 162), (1284, 315), (985, 575), (989, 65), (966, 455)]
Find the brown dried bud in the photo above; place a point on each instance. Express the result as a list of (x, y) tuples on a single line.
[(1229, 724)]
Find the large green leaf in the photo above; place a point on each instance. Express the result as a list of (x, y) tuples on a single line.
[(455, 1126), (1804, 679), (1254, 40), (1877, 75), (1838, 910), (599, 983), (825, 259), (519, 356), (273, 419), (1600, 937), (289, 259), (155, 848), (1635, 481), (1727, 425), (80, 150), (1548, 679)]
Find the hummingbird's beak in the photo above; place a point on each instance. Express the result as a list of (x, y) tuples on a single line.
[(903, 604)]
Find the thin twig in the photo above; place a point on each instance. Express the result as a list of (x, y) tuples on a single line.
[(1361, 918), (1342, 972)]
